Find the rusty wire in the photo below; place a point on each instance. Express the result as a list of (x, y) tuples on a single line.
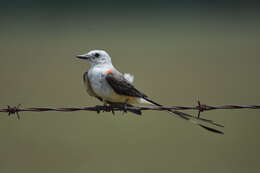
[(200, 108)]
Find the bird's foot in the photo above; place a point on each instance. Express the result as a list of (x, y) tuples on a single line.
[(99, 108), (105, 108), (112, 109), (109, 108), (125, 107)]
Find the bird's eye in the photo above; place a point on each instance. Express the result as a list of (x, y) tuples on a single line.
[(97, 55)]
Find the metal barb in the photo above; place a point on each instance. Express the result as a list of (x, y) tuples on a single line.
[(200, 109), (14, 110)]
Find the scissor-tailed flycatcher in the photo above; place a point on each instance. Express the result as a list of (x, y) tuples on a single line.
[(107, 84)]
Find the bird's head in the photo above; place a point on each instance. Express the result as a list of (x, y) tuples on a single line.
[(95, 57)]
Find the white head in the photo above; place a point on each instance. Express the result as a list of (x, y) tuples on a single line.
[(96, 57)]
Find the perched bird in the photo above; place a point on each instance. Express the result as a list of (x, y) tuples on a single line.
[(107, 84)]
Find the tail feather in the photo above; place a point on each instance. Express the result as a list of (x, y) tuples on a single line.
[(190, 117)]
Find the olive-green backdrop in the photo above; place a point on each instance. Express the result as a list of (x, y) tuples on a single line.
[(178, 54)]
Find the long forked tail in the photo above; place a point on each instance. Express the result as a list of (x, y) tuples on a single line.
[(191, 118)]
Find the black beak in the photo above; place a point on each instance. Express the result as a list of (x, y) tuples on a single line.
[(82, 56)]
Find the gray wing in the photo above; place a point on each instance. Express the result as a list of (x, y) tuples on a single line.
[(121, 86), (88, 86)]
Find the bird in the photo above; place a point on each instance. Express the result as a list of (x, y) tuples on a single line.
[(104, 82)]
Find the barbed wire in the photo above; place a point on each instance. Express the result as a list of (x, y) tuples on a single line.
[(200, 108), (137, 109)]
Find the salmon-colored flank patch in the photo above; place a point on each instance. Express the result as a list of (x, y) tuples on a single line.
[(130, 99), (109, 71)]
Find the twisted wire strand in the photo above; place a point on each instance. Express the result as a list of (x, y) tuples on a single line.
[(199, 108)]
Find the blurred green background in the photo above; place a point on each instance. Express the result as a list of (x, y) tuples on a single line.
[(179, 52)]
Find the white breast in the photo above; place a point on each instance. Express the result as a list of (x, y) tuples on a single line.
[(97, 78)]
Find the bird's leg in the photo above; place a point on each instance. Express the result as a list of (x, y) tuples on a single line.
[(109, 107), (125, 106), (112, 109), (106, 107), (99, 108)]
